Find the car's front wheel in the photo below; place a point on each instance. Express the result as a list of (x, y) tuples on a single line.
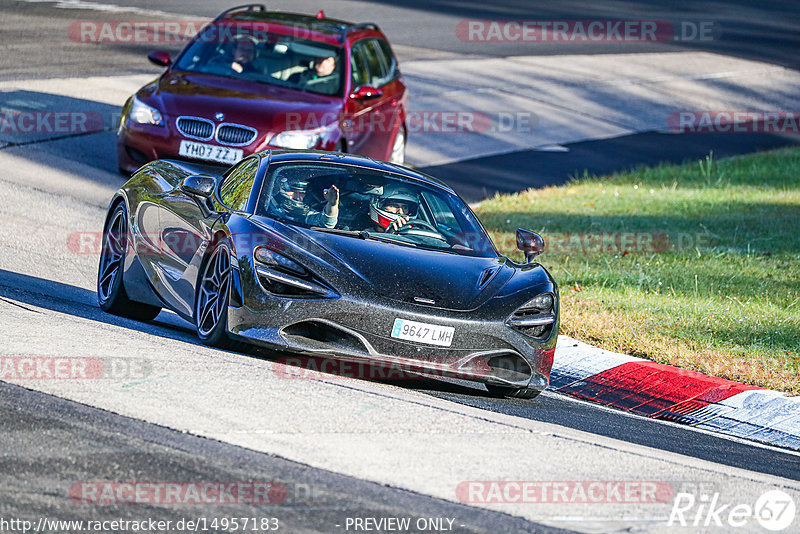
[(111, 294), (213, 293)]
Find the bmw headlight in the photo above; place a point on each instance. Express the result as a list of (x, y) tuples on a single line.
[(535, 318), (143, 114), (297, 139), (301, 139)]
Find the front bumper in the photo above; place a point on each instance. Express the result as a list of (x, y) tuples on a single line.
[(138, 144), (483, 351)]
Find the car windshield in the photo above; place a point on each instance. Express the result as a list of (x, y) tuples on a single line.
[(268, 58), (372, 205)]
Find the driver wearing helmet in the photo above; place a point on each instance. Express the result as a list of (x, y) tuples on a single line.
[(394, 208), (290, 203)]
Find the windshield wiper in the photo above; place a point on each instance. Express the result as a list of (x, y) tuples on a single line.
[(339, 231), (385, 239)]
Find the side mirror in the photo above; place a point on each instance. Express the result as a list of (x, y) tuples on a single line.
[(159, 58), (530, 243), (199, 186), (366, 92)]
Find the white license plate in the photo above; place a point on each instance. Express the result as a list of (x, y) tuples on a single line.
[(221, 154), (423, 332)]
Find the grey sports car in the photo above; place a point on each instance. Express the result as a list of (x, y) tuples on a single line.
[(331, 255)]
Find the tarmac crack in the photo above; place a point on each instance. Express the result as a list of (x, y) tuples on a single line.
[(7, 301)]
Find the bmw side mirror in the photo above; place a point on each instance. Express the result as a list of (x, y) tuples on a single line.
[(199, 186), (530, 243), (366, 92), (159, 58)]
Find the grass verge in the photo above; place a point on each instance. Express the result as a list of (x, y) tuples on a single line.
[(694, 265)]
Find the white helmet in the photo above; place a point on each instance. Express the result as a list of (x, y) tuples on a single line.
[(395, 201)]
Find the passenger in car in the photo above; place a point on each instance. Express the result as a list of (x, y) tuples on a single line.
[(244, 54), (290, 202), (320, 71)]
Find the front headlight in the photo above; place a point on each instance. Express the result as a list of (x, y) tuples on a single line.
[(273, 259), (301, 139), (141, 113), (535, 318), (284, 277), (297, 139)]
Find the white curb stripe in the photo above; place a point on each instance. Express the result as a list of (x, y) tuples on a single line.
[(761, 415), (575, 360)]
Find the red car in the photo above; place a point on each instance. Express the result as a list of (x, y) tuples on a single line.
[(254, 79)]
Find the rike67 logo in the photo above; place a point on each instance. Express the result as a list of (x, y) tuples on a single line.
[(774, 511)]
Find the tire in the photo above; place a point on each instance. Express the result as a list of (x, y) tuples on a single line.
[(111, 294), (398, 154), (516, 393), (213, 295)]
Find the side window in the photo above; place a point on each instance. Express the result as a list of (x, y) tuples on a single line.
[(235, 188), (442, 213), (370, 53), (358, 66), (388, 59)]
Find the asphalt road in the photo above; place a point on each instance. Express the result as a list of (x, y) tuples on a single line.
[(550, 407), (40, 42), (480, 178), (50, 444), (766, 31)]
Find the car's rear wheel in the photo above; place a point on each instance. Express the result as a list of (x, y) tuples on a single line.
[(398, 155), (517, 393), (111, 294), (213, 294)]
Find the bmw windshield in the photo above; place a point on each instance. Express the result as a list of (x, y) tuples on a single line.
[(269, 58), (372, 204)]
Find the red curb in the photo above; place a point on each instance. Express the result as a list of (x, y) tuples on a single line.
[(654, 390)]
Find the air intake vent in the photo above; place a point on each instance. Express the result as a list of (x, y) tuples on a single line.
[(235, 134), (486, 276), (195, 127)]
